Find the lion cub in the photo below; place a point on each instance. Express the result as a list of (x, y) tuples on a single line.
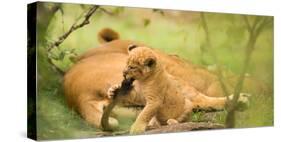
[(164, 101), (168, 99)]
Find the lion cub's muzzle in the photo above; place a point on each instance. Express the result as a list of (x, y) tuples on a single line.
[(126, 75)]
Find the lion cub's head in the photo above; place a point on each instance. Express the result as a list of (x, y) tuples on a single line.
[(141, 63)]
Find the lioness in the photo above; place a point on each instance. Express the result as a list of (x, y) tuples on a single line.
[(86, 83)]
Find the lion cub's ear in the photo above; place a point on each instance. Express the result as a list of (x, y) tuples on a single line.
[(131, 47), (150, 62)]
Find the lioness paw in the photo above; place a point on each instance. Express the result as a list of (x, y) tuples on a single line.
[(244, 98), (243, 101), (111, 92)]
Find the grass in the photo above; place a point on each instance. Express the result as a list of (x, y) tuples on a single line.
[(171, 33), (66, 121)]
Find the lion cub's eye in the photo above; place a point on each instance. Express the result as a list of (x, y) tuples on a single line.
[(131, 67)]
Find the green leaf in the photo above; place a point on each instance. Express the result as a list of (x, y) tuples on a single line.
[(61, 56)]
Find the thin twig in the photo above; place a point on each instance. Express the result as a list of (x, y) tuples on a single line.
[(253, 35), (257, 20), (62, 18), (74, 27), (55, 67), (255, 31), (264, 23), (249, 28), (208, 41), (106, 11)]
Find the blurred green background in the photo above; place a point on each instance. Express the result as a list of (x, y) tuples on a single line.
[(173, 32)]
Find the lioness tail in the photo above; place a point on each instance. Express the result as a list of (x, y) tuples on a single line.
[(107, 35)]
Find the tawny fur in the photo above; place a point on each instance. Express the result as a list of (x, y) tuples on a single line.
[(168, 100), (87, 81), (163, 99)]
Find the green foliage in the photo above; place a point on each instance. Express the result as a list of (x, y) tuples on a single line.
[(259, 114), (165, 31)]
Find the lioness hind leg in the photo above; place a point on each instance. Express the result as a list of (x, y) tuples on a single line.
[(204, 102), (201, 101)]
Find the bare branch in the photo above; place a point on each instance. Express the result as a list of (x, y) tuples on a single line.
[(62, 18), (208, 41), (250, 46), (188, 126), (74, 27), (55, 67), (264, 23), (248, 25), (106, 11), (257, 20), (254, 33)]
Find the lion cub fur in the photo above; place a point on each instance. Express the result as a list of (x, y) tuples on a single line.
[(164, 99)]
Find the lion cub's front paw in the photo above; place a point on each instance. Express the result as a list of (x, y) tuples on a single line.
[(111, 92), (172, 121), (137, 128)]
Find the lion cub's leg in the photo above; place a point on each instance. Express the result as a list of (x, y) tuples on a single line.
[(145, 116), (188, 107), (154, 123)]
